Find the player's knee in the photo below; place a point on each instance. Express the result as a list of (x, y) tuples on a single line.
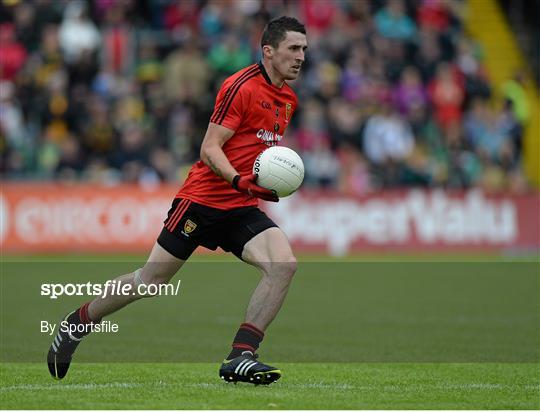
[(291, 265), (147, 282), (285, 267), (158, 279)]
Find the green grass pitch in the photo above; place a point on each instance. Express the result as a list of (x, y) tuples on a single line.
[(368, 334), (304, 386)]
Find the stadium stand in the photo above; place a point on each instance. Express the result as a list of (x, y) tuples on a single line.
[(393, 93)]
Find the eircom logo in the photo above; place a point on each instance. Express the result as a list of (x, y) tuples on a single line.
[(99, 220)]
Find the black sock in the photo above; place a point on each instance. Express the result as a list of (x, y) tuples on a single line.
[(247, 338), (80, 317)]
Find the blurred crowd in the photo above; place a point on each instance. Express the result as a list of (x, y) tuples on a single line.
[(393, 93)]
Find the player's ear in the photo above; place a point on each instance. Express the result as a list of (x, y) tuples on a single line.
[(268, 51)]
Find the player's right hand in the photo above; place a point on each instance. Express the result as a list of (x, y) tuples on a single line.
[(249, 186)]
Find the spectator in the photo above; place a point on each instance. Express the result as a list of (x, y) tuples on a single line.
[(322, 166), (118, 39), (24, 17), (48, 59), (211, 19), (387, 136), (162, 163), (392, 22), (514, 91), (511, 127), (463, 168), (149, 68), (354, 178), (488, 134), (70, 162), (11, 117), (12, 53), (428, 55), (47, 13), (132, 158), (345, 123), (99, 136), (312, 127), (433, 14), (180, 19), (317, 15), (410, 92), (354, 73), (447, 95), (229, 55), (468, 63), (186, 74), (78, 35), (326, 81), (54, 114)]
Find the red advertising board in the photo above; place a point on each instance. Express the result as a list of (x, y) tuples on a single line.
[(82, 218), (411, 221)]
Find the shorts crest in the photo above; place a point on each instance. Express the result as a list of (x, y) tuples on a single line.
[(189, 226)]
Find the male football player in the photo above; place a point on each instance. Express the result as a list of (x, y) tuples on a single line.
[(217, 206)]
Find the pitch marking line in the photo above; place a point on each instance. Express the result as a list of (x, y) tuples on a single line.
[(72, 386), (324, 386)]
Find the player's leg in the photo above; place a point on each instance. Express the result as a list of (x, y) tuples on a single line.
[(169, 253), (160, 267), (271, 253)]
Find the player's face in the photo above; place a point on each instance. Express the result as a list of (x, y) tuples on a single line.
[(288, 58)]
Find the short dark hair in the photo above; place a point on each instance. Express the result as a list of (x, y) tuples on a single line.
[(276, 31)]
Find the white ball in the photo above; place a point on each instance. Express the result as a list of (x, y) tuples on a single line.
[(280, 169)]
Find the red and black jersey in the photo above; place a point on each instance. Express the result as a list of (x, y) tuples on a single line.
[(259, 113)]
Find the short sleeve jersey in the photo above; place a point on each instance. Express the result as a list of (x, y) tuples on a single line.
[(259, 113)]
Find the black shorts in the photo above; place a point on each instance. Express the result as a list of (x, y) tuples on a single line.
[(189, 225)]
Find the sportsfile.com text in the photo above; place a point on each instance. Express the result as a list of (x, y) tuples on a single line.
[(109, 288)]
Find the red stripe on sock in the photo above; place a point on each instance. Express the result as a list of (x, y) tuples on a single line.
[(253, 328), (243, 346), (83, 313)]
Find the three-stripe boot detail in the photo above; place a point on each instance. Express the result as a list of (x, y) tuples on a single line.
[(61, 352), (246, 368)]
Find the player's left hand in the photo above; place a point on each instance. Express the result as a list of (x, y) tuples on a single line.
[(249, 186)]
